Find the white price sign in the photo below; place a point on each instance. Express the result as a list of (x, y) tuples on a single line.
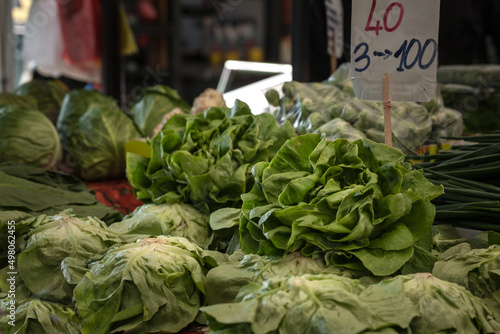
[(397, 38)]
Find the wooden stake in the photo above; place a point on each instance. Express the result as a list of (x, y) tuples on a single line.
[(387, 112)]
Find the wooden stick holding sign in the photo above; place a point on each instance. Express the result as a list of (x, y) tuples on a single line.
[(387, 112)]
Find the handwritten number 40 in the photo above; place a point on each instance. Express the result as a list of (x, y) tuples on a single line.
[(386, 27)]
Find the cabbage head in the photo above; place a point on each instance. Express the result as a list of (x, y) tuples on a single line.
[(151, 220), (97, 145), (74, 105), (155, 284), (53, 260), (47, 94), (155, 102), (357, 205), (28, 136), (206, 159)]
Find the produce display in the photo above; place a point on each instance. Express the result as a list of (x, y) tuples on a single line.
[(295, 221), (330, 107)]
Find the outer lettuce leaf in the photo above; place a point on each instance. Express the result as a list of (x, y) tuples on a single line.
[(54, 258), (476, 269), (206, 159), (150, 220), (155, 284), (153, 105), (356, 204), (28, 136), (225, 281)]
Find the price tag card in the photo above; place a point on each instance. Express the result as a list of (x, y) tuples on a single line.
[(399, 38)]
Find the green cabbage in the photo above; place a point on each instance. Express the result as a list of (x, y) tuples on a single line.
[(29, 137), (75, 104), (8, 99), (55, 254), (150, 220), (205, 159), (224, 282), (155, 102), (97, 145), (155, 284), (358, 205), (47, 94)]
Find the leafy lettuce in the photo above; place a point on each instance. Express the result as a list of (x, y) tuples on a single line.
[(36, 316), (417, 304), (206, 159), (57, 247), (155, 284), (358, 205)]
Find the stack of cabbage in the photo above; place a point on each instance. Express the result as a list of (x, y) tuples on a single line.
[(75, 275), (331, 108)]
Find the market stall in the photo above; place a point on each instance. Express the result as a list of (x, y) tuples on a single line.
[(171, 216)]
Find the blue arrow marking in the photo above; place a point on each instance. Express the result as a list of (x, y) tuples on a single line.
[(385, 54)]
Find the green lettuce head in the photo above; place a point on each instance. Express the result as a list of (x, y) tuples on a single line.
[(357, 204), (206, 159), (151, 220), (28, 136), (155, 284), (53, 260)]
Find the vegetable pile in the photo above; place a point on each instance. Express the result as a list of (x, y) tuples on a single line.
[(247, 227), (330, 107)]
